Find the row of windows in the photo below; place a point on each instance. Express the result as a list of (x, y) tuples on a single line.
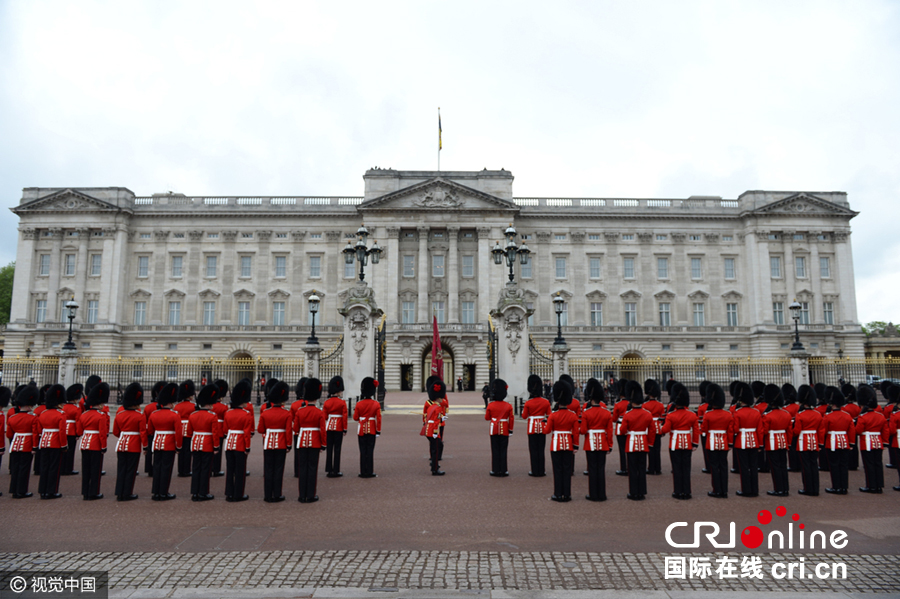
[(778, 309), (800, 267), (211, 269), (209, 313), (68, 266), (92, 310)]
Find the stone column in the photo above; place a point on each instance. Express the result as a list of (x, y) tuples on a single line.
[(452, 273), (56, 267), (262, 274), (763, 289), (790, 272), (23, 277), (843, 255), (392, 261), (799, 368), (118, 281), (361, 315), (423, 276), (81, 265), (313, 352), (511, 322), (560, 362), (578, 275), (68, 359), (816, 280), (484, 269)]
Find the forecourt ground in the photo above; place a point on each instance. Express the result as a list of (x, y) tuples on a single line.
[(409, 530)]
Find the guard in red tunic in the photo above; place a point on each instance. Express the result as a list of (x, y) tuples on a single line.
[(873, 433), (23, 432), (638, 425), (618, 413), (93, 428), (149, 409), (597, 429), (219, 408), (299, 389), (777, 431), (238, 434), (53, 442), (822, 408), (891, 394), (718, 426), (575, 406), (205, 433), (747, 439), (893, 427), (701, 411), (789, 393), (130, 426), (658, 411), (367, 413), (808, 434), (535, 413), (5, 395), (431, 427), (684, 428), (73, 394), (335, 410), (185, 407), (309, 430), (761, 405), (840, 435), (38, 410), (852, 408), (563, 428), (500, 414), (276, 427), (164, 426)]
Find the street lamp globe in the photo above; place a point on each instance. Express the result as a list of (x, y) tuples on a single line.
[(497, 252)]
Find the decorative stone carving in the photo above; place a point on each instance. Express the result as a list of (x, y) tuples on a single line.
[(577, 236), (438, 197), (543, 236), (470, 351), (699, 294), (645, 237), (264, 236), (665, 294), (195, 235), (109, 231), (611, 237), (393, 232), (161, 235), (406, 353), (29, 233), (55, 232), (360, 293), (762, 235), (511, 294), (298, 235), (174, 292), (840, 236), (711, 237), (359, 332), (678, 237), (131, 235), (333, 235), (209, 293), (513, 327), (485, 233), (229, 236)]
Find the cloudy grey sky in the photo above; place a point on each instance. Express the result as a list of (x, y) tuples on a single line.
[(627, 99)]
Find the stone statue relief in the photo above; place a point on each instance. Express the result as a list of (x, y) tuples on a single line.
[(359, 333), (438, 198), (514, 328)]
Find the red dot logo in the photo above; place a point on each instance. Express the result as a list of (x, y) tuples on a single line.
[(802, 526), (781, 511), (752, 536), (764, 517), (795, 517)]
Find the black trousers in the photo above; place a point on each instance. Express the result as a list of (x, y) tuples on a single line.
[(718, 470), (893, 456), (309, 467), (19, 471), (747, 462), (217, 457), (809, 468), (499, 448), (838, 462), (163, 464), (681, 470), (596, 465), (623, 461), (536, 447), (763, 461), (823, 461), (793, 457), (853, 459), (778, 468), (441, 444), (148, 456), (334, 439), (296, 458), (705, 452), (654, 456), (68, 464), (874, 470), (434, 445), (184, 457), (201, 470), (367, 454), (51, 464), (637, 473), (735, 461), (563, 468), (273, 472), (37, 461), (91, 466), (126, 471), (235, 473)]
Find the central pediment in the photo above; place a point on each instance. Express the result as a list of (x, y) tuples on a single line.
[(438, 195)]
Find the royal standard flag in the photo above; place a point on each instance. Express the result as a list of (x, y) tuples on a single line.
[(440, 143)]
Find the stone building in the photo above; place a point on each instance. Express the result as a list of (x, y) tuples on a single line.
[(173, 275)]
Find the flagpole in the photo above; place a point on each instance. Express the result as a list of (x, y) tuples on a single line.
[(439, 139)]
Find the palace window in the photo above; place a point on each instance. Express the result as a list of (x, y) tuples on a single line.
[(662, 268), (628, 268), (40, 311), (244, 313), (69, 265), (468, 312), (143, 266), (596, 314), (800, 266), (246, 266), (315, 267), (778, 312), (409, 266), (665, 314), (438, 309), (560, 268), (280, 266), (696, 268), (174, 313), (731, 314), (824, 267), (140, 313), (209, 313), (211, 263), (828, 312), (729, 268), (468, 266), (595, 268), (278, 313), (177, 262), (96, 264), (92, 309), (408, 313), (775, 266), (630, 314), (699, 317), (45, 265), (437, 265)]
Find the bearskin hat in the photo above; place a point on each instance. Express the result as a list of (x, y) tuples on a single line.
[(562, 393), (5, 395), (867, 397), (806, 396), (668, 386), (157, 387), (535, 386), (834, 397), (133, 395), (74, 393), (715, 397), (849, 393), (820, 393), (313, 390), (569, 381), (744, 393), (436, 389), (167, 395), (702, 388), (280, 393), (894, 393), (241, 393), (270, 384), (335, 386), (222, 384), (27, 396), (99, 395), (772, 396), (759, 389), (54, 397), (732, 386), (622, 388), (593, 390), (431, 379), (634, 393), (91, 382), (367, 387), (186, 390), (651, 388), (884, 387), (789, 393), (681, 395), (499, 390), (42, 397), (209, 395), (301, 385)]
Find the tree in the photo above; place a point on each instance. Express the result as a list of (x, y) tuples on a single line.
[(876, 327), (6, 288)]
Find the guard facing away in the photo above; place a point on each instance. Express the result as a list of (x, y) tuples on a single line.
[(759, 392), (535, 413), (563, 428), (658, 411), (367, 413), (219, 408), (276, 426), (431, 428), (852, 408), (185, 407), (148, 410), (777, 434), (597, 428), (873, 434), (164, 425), (335, 410), (299, 390), (638, 425), (718, 426), (5, 395), (701, 411), (130, 426), (93, 428), (500, 414), (22, 431), (53, 441), (238, 434), (747, 439), (789, 393), (309, 429), (683, 426), (73, 394), (205, 434), (840, 436), (618, 390), (809, 436)]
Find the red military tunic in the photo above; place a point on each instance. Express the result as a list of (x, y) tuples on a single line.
[(639, 425), (535, 412), (309, 426), (761, 407), (718, 426), (204, 430), (873, 431), (658, 411), (219, 410), (433, 416), (792, 409), (165, 426), (130, 426), (562, 426), (618, 412), (52, 426), (300, 403), (839, 430), (185, 409), (72, 413), (149, 409), (238, 430), (701, 411), (597, 428), (776, 430), (2, 432), (684, 426), (747, 428), (23, 430), (335, 410), (93, 428), (275, 423), (500, 414), (250, 410), (808, 430), (852, 409), (574, 407), (893, 425), (368, 413)]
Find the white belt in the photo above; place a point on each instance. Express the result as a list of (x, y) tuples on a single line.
[(591, 433), (557, 434), (772, 436), (330, 416), (235, 432), (869, 435), (717, 435), (18, 439), (269, 433), (744, 432), (675, 435), (70, 422), (126, 433), (807, 433), (232, 439), (632, 435), (86, 440), (120, 445), (305, 430), (833, 436), (160, 433), (91, 432), (199, 433)]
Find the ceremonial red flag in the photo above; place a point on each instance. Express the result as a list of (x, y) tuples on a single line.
[(437, 356)]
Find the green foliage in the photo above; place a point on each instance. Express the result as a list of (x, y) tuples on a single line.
[(876, 327), (6, 288)]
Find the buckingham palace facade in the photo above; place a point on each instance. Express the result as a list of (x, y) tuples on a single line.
[(175, 275)]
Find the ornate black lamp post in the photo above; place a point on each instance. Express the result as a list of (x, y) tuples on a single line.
[(558, 302), (795, 308), (71, 306), (510, 251), (361, 253), (313, 309)]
